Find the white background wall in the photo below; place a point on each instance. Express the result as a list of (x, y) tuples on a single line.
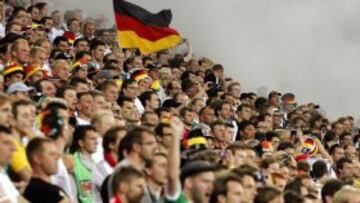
[(310, 47)]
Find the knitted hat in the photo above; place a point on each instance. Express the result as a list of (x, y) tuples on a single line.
[(289, 98), (139, 75), (51, 123), (310, 146), (70, 36), (30, 71), (196, 140), (267, 147), (13, 68), (81, 63), (302, 157)]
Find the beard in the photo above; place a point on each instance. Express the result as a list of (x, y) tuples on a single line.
[(135, 198), (161, 182), (146, 157), (197, 197)]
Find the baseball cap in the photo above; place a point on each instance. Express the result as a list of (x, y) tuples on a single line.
[(288, 98), (274, 93), (18, 87), (104, 74)]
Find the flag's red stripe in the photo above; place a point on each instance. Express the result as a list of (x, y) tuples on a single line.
[(151, 33)]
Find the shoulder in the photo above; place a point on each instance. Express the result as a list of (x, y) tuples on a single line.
[(39, 190)]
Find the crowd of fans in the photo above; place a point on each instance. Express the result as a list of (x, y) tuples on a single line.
[(82, 120)]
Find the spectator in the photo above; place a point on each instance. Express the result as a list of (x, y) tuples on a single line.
[(227, 189), (97, 50), (248, 183), (197, 179), (111, 141), (88, 30), (138, 146), (344, 168), (150, 101), (130, 114), (206, 118), (164, 135), (20, 51), (84, 108), (347, 194), (123, 180), (43, 157), (150, 119), (88, 179), (156, 177), (329, 189), (81, 44), (268, 195), (8, 192)]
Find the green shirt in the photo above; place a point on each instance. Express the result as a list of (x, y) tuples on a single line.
[(180, 199), (83, 179)]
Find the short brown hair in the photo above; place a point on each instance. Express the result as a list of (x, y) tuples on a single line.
[(19, 103), (220, 185), (35, 147), (124, 175)]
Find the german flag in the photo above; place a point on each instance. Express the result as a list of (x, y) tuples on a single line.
[(138, 28)]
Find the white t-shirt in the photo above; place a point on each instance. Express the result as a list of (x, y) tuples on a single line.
[(7, 189), (81, 121), (98, 156), (139, 106), (104, 168), (55, 33), (2, 30), (63, 180)]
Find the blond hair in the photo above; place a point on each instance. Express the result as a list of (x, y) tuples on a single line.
[(101, 116), (36, 50), (345, 194), (4, 99)]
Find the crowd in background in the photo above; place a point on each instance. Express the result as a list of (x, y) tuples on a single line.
[(82, 120)]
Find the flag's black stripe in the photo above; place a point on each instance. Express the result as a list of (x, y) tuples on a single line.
[(161, 19)]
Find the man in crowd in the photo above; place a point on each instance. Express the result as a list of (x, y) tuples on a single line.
[(8, 192), (128, 185), (150, 101), (87, 177), (227, 189), (85, 108), (43, 157)]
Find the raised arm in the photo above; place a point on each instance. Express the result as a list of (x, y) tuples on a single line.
[(174, 156)]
